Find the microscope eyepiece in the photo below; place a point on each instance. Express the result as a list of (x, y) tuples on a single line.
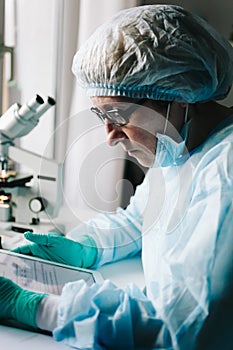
[(19, 120), (51, 101), (39, 99), (28, 109)]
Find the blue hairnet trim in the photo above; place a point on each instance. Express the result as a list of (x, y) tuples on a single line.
[(153, 93)]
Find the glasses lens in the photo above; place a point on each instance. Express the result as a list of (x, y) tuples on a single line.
[(114, 117), (118, 117)]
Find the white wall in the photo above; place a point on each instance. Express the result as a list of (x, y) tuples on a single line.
[(93, 169), (32, 30)]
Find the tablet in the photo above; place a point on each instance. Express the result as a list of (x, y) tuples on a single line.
[(40, 275)]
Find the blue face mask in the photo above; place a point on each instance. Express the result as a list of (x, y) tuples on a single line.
[(168, 151)]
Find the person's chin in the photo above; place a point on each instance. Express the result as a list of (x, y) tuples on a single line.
[(143, 159)]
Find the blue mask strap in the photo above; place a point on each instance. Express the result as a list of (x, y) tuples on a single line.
[(167, 117), (186, 114)]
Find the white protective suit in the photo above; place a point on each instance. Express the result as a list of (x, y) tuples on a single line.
[(186, 254)]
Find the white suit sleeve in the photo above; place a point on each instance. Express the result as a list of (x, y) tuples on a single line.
[(116, 235), (47, 313)]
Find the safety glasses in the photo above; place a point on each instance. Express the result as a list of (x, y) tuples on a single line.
[(116, 116)]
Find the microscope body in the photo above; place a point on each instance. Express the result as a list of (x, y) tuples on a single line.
[(32, 199)]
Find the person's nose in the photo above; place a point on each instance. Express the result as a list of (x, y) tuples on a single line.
[(114, 134)]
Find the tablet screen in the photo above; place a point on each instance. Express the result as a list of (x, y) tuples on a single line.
[(41, 275)]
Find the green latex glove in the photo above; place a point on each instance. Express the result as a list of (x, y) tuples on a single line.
[(17, 303), (51, 246)]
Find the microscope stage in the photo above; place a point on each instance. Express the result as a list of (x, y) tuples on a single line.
[(17, 181)]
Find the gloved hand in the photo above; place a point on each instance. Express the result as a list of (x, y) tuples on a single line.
[(17, 303), (57, 248)]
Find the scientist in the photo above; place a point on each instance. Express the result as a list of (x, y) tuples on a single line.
[(154, 74)]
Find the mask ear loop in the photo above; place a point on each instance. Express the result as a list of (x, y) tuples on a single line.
[(167, 117), (186, 114)]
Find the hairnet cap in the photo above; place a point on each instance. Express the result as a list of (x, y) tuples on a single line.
[(160, 52)]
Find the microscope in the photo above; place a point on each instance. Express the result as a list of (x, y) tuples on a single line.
[(28, 201)]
